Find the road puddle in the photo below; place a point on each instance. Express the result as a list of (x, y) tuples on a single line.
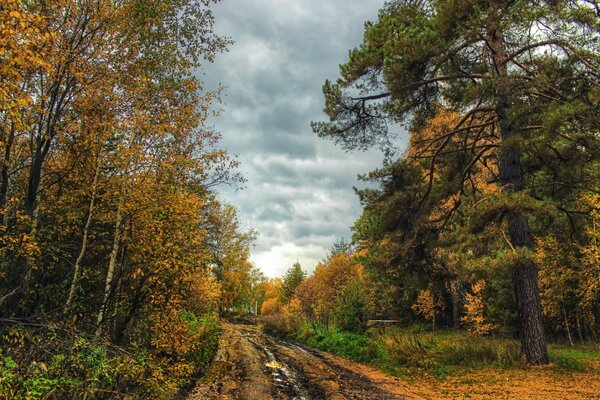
[(284, 377), (274, 364)]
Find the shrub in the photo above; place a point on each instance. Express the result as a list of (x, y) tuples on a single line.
[(279, 325), (351, 310), (51, 363)]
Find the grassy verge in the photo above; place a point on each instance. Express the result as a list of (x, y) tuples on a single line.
[(403, 352)]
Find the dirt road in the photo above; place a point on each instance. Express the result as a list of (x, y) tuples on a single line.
[(253, 366)]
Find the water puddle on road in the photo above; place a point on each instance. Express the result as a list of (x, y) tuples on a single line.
[(285, 378)]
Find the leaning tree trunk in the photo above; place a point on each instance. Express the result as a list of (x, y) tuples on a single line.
[(112, 263), (524, 271), (84, 242)]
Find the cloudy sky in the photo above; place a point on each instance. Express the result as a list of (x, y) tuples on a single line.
[(298, 195)]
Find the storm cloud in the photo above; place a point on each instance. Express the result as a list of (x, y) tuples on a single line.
[(298, 195)]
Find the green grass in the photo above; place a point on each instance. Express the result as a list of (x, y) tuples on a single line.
[(443, 353), (354, 346), (578, 358)]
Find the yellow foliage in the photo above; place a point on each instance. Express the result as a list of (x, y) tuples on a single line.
[(428, 304), (318, 294), (271, 303), (474, 317)]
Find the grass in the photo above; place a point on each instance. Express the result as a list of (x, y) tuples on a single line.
[(354, 346), (578, 358), (449, 364), (404, 352)]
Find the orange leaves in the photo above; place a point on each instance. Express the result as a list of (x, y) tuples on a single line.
[(320, 293), (271, 303), (474, 317), (456, 155), (22, 41), (428, 304)]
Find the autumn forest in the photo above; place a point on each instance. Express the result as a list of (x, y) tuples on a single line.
[(473, 269)]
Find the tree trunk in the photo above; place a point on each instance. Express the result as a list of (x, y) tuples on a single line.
[(524, 274), (577, 319), (524, 271), (84, 242), (457, 303), (568, 328), (112, 263), (5, 173)]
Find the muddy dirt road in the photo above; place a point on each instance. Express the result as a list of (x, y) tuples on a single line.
[(253, 366)]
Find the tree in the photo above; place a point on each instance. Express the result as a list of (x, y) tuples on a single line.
[(271, 303), (428, 304), (475, 307), (504, 67), (109, 164), (292, 278), (229, 255)]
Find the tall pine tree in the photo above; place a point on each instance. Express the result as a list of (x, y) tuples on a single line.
[(513, 70)]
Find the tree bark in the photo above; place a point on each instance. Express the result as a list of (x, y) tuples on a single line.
[(457, 302), (112, 263), (84, 242), (524, 271)]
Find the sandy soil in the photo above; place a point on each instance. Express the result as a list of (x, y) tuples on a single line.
[(251, 365)]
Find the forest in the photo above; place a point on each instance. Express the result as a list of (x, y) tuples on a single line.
[(478, 244)]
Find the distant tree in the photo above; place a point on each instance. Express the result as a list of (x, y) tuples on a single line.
[(292, 278), (271, 303), (340, 246)]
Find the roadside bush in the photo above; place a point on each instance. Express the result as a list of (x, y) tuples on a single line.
[(280, 325), (357, 347), (47, 362), (351, 310)]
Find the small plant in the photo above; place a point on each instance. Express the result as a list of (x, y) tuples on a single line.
[(566, 363)]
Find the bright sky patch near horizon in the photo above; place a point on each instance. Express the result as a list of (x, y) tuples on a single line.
[(299, 195)]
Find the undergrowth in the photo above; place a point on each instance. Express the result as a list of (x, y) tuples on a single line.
[(50, 362)]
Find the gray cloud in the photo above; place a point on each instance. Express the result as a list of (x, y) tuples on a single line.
[(299, 195)]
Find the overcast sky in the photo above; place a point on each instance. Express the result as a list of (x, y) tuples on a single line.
[(298, 195)]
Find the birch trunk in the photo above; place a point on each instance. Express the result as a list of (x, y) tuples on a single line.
[(84, 242)]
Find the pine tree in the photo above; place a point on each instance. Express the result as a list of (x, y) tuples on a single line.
[(514, 72)]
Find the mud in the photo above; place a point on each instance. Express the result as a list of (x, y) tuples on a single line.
[(251, 365)]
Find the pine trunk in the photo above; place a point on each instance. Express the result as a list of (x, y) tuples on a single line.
[(524, 271), (457, 303)]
